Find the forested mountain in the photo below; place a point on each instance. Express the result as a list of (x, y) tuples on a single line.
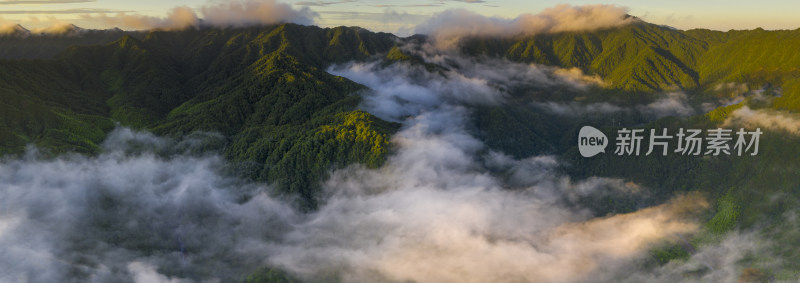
[(265, 89), (284, 118), (646, 57), (24, 44)]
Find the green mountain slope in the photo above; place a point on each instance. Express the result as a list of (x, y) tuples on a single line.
[(24, 45), (643, 57), (748, 193), (267, 91), (757, 58), (289, 122), (264, 88), (52, 105), (636, 57)]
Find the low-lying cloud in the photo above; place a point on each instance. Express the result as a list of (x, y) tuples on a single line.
[(574, 108), (668, 104), (443, 208), (124, 216), (450, 26), (473, 235), (716, 262), (769, 119), (435, 213), (577, 77), (671, 104), (431, 214), (402, 89)]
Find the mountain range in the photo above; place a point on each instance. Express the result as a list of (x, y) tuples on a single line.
[(269, 100)]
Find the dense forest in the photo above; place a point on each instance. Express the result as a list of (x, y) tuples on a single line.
[(268, 99)]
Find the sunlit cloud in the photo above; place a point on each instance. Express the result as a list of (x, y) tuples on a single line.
[(65, 11), (38, 2)]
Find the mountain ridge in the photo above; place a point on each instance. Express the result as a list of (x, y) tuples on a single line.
[(249, 84), (286, 120), (257, 83)]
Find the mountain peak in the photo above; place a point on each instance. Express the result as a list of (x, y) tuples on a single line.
[(63, 29), (13, 30)]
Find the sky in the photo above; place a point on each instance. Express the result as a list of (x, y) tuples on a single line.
[(401, 17)]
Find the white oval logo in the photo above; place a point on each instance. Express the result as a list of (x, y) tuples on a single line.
[(591, 141)]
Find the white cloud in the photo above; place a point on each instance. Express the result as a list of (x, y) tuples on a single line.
[(671, 104), (434, 212), (769, 119), (238, 13), (450, 26)]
